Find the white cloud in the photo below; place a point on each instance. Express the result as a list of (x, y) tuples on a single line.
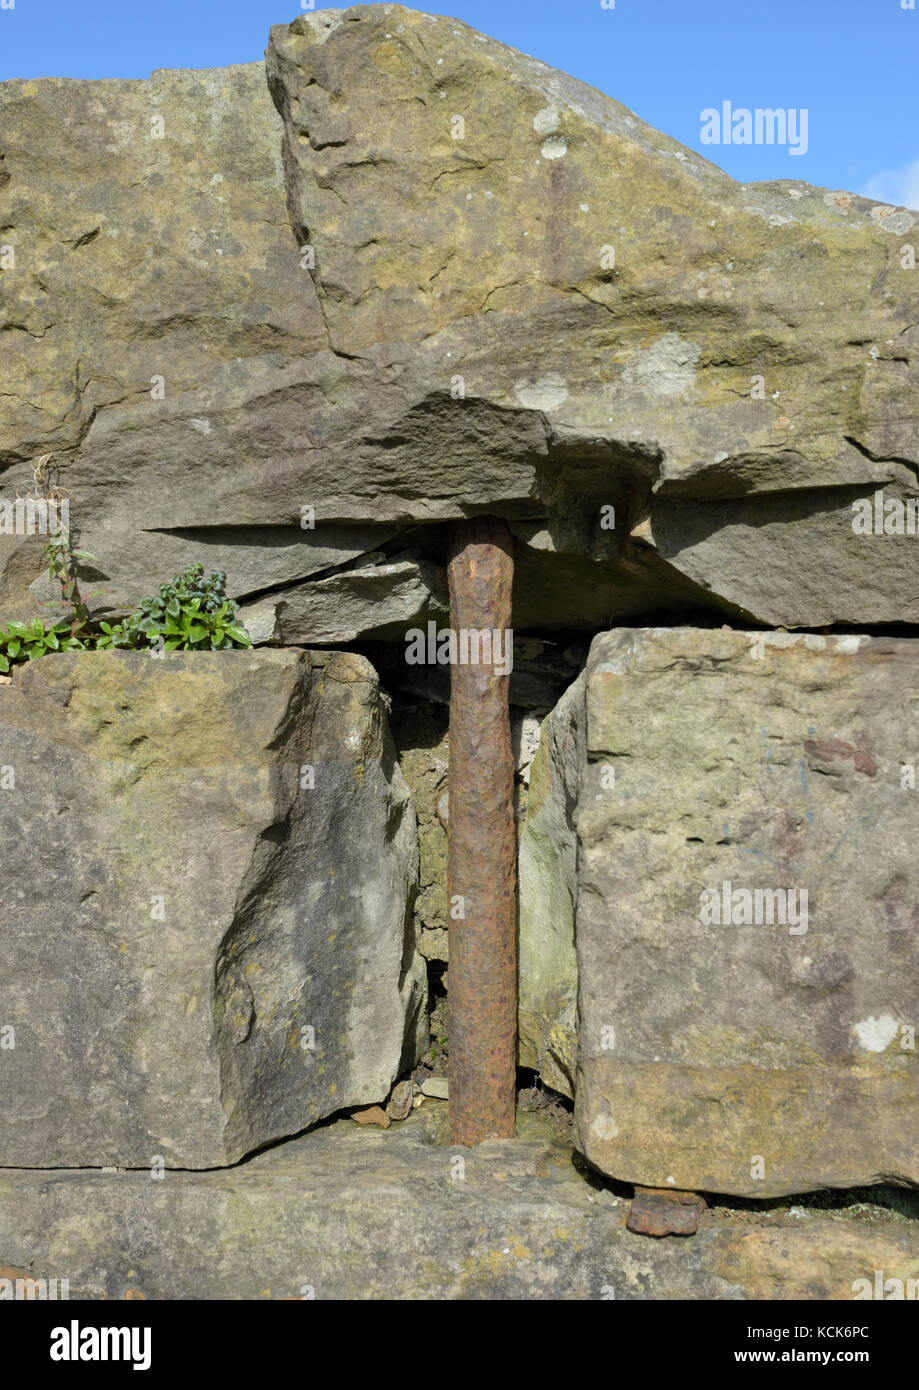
[(897, 186)]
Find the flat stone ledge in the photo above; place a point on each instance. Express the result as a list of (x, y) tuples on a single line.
[(350, 1213)]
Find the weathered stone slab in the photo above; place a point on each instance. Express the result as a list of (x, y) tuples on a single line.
[(208, 864), (155, 290), (775, 1053), (548, 897), (498, 237), (440, 278), (351, 1212), (375, 599)]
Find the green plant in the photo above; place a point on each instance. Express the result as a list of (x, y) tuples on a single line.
[(192, 613), (60, 555), (61, 559), (26, 641)]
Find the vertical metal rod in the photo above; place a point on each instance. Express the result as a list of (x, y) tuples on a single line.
[(481, 841)]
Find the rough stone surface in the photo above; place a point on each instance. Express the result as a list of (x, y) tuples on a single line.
[(138, 257), (750, 1059), (662, 1212), (443, 278), (399, 1105), (420, 732), (373, 1115), (178, 907), (375, 601), (462, 200), (548, 897), (364, 1213)]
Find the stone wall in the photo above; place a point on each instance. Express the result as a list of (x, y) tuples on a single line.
[(291, 320)]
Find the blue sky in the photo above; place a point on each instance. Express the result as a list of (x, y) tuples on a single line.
[(849, 63)]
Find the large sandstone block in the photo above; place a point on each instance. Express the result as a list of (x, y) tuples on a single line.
[(430, 247), (739, 1051), (208, 864), (728, 365)]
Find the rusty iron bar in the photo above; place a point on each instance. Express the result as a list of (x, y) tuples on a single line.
[(481, 845)]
